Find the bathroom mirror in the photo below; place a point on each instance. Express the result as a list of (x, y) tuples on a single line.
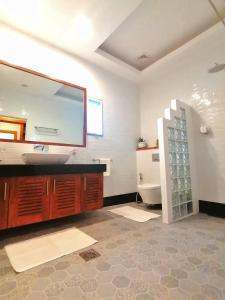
[(35, 108)]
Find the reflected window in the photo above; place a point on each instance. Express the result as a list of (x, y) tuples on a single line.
[(94, 117), (8, 135), (12, 128)]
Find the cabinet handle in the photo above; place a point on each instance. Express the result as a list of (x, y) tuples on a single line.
[(47, 189), (54, 186), (5, 191), (85, 183)]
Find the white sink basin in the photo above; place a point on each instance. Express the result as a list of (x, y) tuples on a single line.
[(40, 158)]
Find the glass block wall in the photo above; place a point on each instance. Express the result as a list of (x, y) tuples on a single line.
[(181, 190)]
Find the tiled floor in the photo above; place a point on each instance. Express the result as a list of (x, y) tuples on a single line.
[(139, 261)]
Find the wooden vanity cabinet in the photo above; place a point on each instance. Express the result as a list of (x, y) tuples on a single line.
[(65, 195), (92, 191), (29, 201), (4, 201)]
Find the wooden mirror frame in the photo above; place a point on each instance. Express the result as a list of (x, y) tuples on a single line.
[(2, 62)]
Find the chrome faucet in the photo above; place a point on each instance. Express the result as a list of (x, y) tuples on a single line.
[(40, 147)]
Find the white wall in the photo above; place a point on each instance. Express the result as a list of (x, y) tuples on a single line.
[(120, 104), (183, 75), (148, 168)]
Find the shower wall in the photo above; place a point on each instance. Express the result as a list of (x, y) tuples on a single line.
[(177, 163), (184, 75)]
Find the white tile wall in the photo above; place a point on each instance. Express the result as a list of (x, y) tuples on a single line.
[(121, 113), (185, 76)]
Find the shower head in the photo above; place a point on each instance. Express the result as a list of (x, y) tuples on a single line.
[(217, 68)]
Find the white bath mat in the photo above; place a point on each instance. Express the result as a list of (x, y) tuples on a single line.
[(134, 214), (34, 252)]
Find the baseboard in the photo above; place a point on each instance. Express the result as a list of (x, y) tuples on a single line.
[(212, 208), (120, 199)]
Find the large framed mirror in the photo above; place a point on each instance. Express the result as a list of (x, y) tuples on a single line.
[(35, 108)]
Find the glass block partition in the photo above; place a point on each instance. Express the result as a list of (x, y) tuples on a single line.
[(180, 168), (176, 163)]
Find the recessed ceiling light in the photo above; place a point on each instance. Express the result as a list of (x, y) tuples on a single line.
[(143, 56)]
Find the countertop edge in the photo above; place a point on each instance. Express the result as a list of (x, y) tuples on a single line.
[(35, 170)]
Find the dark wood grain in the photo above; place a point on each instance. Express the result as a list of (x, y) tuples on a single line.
[(29, 201), (65, 195), (92, 191)]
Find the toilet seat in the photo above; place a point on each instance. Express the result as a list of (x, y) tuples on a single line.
[(149, 186)]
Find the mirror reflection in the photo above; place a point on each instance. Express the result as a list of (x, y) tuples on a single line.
[(34, 108)]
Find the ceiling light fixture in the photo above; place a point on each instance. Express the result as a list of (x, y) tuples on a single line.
[(143, 57)]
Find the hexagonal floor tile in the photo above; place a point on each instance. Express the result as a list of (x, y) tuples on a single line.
[(103, 266), (106, 290), (88, 285), (169, 281), (121, 281)]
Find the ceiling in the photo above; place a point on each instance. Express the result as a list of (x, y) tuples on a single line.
[(158, 27), (54, 22), (114, 32)]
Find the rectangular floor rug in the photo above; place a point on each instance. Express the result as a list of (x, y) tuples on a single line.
[(134, 214), (39, 250)]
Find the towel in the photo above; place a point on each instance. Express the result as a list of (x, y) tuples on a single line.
[(107, 162)]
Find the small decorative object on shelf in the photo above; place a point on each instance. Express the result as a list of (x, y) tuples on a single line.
[(157, 143), (204, 129), (141, 143)]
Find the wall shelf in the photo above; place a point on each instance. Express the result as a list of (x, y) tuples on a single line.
[(147, 148)]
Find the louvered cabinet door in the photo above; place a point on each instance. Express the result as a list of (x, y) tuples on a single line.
[(65, 195), (92, 191), (5, 185), (30, 200)]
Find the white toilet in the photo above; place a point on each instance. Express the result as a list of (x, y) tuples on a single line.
[(150, 193)]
